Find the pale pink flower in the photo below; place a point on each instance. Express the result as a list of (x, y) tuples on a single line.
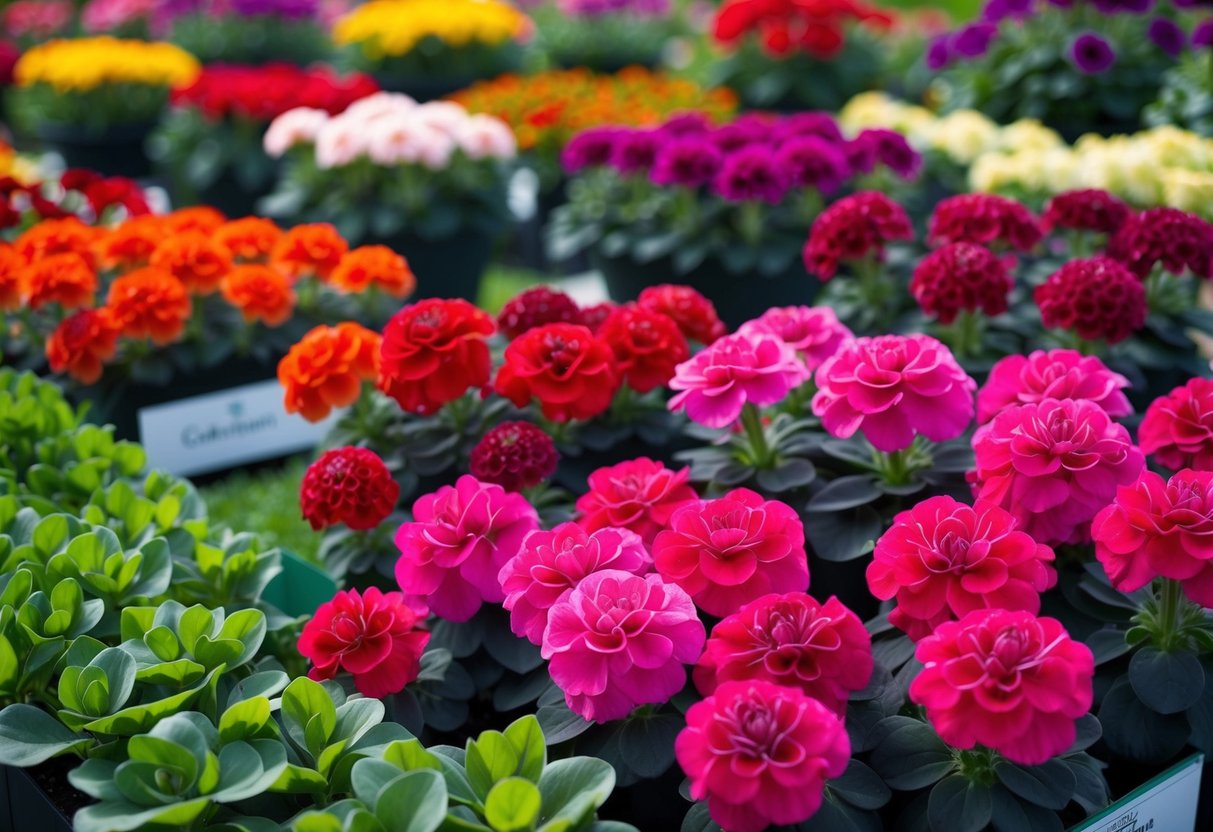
[(379, 105), (446, 116), (395, 139), (339, 142), (813, 331), (718, 381), (485, 137), (552, 563), (435, 148), (619, 641), (298, 126), (1056, 374)]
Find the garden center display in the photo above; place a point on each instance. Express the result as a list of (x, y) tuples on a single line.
[(844, 463)]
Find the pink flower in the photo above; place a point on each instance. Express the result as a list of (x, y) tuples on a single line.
[(638, 494), (338, 143), (372, 635), (395, 139), (618, 641), (791, 640), (1160, 528), (378, 105), (760, 754), (485, 137), (1056, 374), (1053, 465), (729, 551), (1007, 680), (460, 537), (894, 387), (943, 559), (737, 369), (298, 126), (813, 331), (446, 116), (1178, 428), (552, 563)]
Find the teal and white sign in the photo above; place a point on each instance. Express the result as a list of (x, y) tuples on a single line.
[(1165, 804), (224, 429)]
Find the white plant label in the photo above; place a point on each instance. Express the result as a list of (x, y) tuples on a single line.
[(1165, 804)]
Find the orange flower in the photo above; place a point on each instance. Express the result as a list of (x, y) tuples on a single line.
[(327, 368), (197, 218), (194, 259), (57, 237), (248, 240), (10, 277), (131, 244), (66, 279), (82, 343), (261, 293), (314, 249), (377, 265), (150, 303)]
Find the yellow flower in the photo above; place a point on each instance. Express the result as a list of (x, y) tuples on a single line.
[(1189, 190), (391, 28), (1028, 134), (964, 135), (84, 64)]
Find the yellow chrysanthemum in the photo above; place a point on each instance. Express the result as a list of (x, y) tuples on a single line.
[(390, 28), (84, 64), (964, 135), (1189, 190)]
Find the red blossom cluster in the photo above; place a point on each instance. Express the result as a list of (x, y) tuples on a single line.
[(817, 27), (97, 193), (262, 93)]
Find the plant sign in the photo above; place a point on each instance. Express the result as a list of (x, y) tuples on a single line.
[(1168, 802)]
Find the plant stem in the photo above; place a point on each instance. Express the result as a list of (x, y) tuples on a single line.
[(760, 451), (750, 221), (872, 288), (967, 331), (894, 467), (1169, 610)]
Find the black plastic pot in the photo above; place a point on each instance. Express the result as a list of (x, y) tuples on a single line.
[(738, 297), (228, 195), (449, 267), (117, 151), (24, 806)]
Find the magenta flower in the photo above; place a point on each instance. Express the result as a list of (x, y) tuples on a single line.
[(751, 173), (1092, 54), (893, 388), (1053, 465), (760, 754), (737, 369), (618, 641), (691, 161), (455, 546), (1056, 374), (813, 162), (813, 331), (728, 551), (551, 564)]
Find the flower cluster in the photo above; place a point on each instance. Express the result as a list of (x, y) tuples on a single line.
[(262, 93), (785, 27), (388, 129), (961, 277), (1086, 209), (1056, 374), (639, 495), (813, 331), (1174, 240), (351, 486), (1177, 429), (390, 28), (984, 219), (855, 228), (1095, 298), (84, 64), (77, 192), (514, 455)]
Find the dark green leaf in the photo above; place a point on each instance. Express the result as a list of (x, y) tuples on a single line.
[(1166, 682), (958, 805)]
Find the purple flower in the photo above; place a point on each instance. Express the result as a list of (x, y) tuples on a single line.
[(635, 150), (1168, 36), (974, 40), (861, 153), (894, 152), (997, 10), (751, 173), (1123, 6), (813, 162), (590, 148), (1091, 54), (1202, 35), (731, 137), (689, 161), (686, 124), (939, 52), (293, 9), (817, 124)]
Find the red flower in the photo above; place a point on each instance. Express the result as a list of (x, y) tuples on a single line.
[(1007, 680), (312, 249), (694, 314), (82, 343), (791, 640), (1174, 239), (11, 265), (729, 551), (1177, 429), (943, 559), (647, 345), (193, 258), (514, 455), (854, 228), (534, 307), (985, 219), (571, 372), (326, 369), (262, 93), (638, 494), (66, 279), (1160, 528), (373, 636), (1086, 210), (961, 277), (1096, 298), (595, 316), (350, 486), (432, 352), (149, 303)]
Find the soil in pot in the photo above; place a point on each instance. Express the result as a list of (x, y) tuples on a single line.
[(40, 798)]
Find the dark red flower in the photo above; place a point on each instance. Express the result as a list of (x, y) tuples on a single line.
[(595, 316), (1174, 239), (433, 351), (534, 307), (853, 228), (514, 455), (647, 345), (695, 315), (350, 486), (565, 367), (1096, 298), (961, 277), (1086, 210), (985, 219)]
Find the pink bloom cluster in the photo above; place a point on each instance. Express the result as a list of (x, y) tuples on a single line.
[(893, 388), (813, 331), (1178, 428), (1056, 374), (744, 368), (639, 495)]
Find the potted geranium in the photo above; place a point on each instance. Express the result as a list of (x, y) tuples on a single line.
[(714, 205), (210, 141), (248, 31), (430, 48), (605, 36), (95, 100), (429, 180)]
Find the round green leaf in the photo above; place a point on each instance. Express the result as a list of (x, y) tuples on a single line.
[(513, 805), (414, 802), (1050, 785), (1166, 682), (957, 804), (910, 755), (1140, 733)]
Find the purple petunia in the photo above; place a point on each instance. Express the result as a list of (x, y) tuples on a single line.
[(819, 124), (974, 40), (592, 148), (1091, 54), (1123, 6), (1168, 36), (739, 134), (813, 162), (1202, 35), (939, 52), (690, 161), (751, 173), (686, 124), (894, 152), (998, 10), (861, 153), (635, 150)]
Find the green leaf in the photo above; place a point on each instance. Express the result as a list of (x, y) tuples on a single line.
[(1135, 731), (513, 805), (959, 805), (910, 755), (573, 789), (1012, 815), (248, 769), (490, 757), (845, 493), (414, 802), (861, 787), (1050, 785), (526, 737), (29, 736), (300, 780), (244, 719), (1166, 682), (647, 743), (309, 713)]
